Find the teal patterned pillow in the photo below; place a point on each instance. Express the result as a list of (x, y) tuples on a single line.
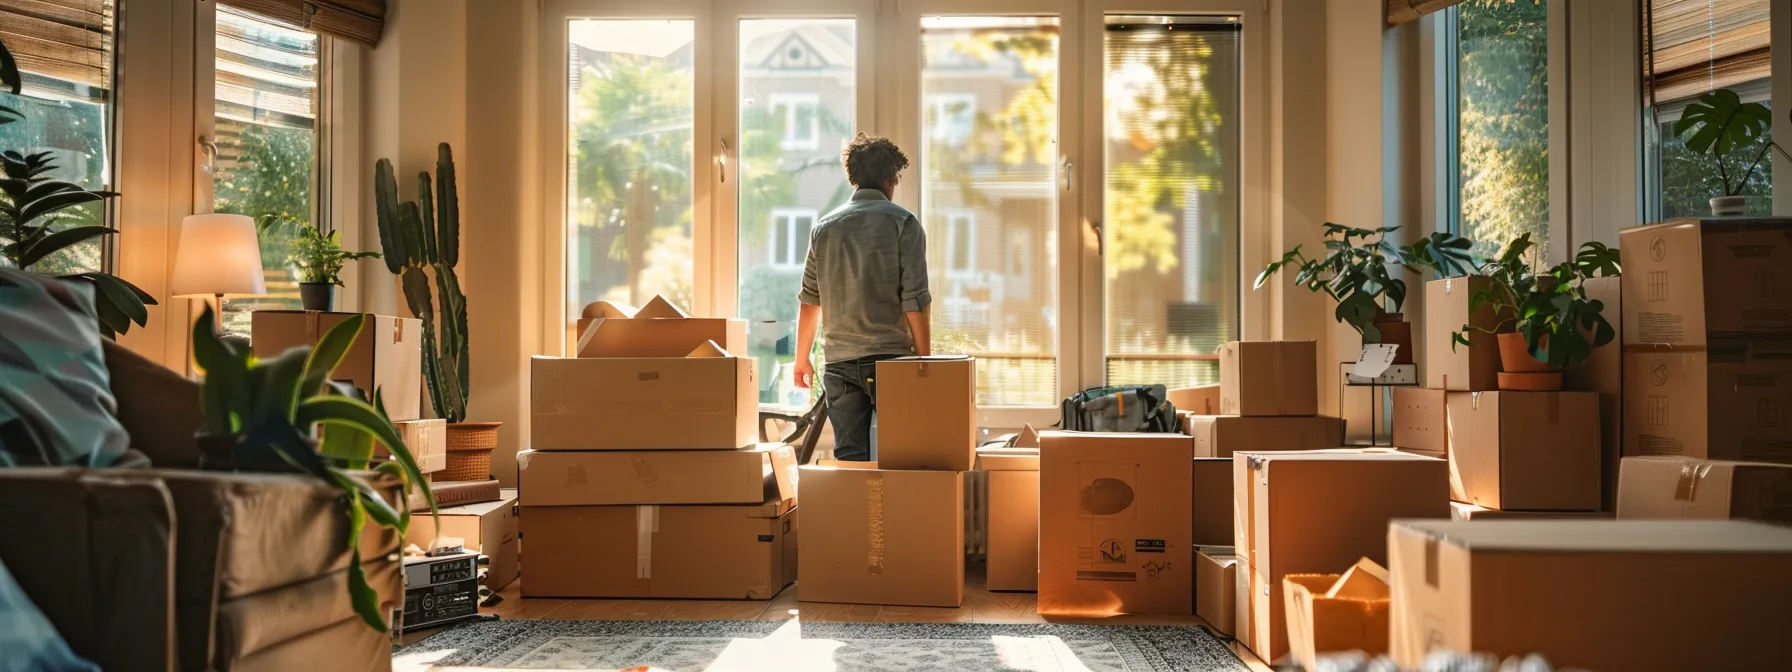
[(56, 405)]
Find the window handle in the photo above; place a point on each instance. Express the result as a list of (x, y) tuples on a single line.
[(723, 160), (1095, 226), (211, 155), (1068, 167)]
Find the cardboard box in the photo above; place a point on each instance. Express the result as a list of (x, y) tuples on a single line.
[(1525, 451), (1114, 529), (1461, 511), (1689, 282), (426, 439), (764, 473), (698, 552), (651, 403), (1669, 488), (486, 527), (1593, 594), (927, 413), (1211, 520), (1604, 373), (1199, 400), (1013, 550), (610, 330), (1222, 435), (1337, 613), (1716, 405), (1269, 378), (1421, 421), (882, 536), (1215, 578), (387, 355), (1318, 511), (1473, 367)]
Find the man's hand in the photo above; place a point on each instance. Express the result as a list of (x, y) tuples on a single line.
[(805, 374)]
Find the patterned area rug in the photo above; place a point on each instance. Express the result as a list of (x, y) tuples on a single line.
[(681, 646)]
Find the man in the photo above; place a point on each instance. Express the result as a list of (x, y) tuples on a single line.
[(867, 271)]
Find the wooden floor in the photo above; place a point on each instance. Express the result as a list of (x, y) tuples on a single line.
[(980, 606)]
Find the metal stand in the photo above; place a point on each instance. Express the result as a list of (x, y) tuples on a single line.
[(1398, 375)]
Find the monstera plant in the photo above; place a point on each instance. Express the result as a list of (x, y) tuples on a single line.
[(35, 222), (264, 415), (1546, 323), (1721, 124)]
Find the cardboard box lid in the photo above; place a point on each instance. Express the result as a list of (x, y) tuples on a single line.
[(931, 358), (507, 499), (660, 308), (607, 310), (1008, 459), (1603, 536)]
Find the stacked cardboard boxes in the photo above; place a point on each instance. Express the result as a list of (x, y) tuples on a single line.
[(1268, 400), (643, 479), (891, 532)]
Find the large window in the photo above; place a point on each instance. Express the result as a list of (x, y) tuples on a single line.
[(1501, 187), (66, 56), (265, 126), (1692, 47)]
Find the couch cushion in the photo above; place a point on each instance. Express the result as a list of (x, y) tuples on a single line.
[(348, 646), (158, 407), (249, 625), (56, 407), (93, 549)]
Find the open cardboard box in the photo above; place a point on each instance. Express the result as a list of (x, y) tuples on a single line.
[(706, 400), (659, 329), (1337, 612), (1013, 549)]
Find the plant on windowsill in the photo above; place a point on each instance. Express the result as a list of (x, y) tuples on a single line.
[(1720, 124), (1354, 273), (422, 239), (1546, 324), (262, 416), (316, 260), (32, 204)]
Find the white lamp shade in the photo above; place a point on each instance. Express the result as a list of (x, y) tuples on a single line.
[(219, 254)]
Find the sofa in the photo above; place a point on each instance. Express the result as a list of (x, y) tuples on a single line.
[(170, 567)]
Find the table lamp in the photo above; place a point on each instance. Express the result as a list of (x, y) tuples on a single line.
[(218, 255)]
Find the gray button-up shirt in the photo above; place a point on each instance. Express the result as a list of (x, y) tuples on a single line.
[(867, 267)]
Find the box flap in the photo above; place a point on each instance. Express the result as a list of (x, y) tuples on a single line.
[(784, 472), (1008, 459), (709, 349), (932, 358), (660, 308), (1367, 580), (1604, 536), (841, 464), (1028, 437), (608, 310)]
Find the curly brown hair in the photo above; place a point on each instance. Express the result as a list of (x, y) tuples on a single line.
[(872, 161)]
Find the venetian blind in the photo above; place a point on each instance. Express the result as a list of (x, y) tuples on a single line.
[(1694, 46), (358, 20), (1402, 11), (63, 47)]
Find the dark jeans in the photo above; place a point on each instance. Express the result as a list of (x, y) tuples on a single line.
[(850, 388)]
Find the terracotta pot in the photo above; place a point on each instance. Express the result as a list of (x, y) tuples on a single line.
[(1515, 356), (470, 447), (1531, 382), (1396, 331), (1725, 206)]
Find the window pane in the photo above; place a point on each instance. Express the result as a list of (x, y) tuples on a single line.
[(265, 101), (1170, 248), (797, 88), (1503, 115), (628, 186), (1689, 181), (66, 103), (1692, 49), (989, 88)]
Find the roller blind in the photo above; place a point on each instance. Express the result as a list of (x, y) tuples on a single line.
[(63, 47), (358, 20), (1694, 46), (1402, 11)]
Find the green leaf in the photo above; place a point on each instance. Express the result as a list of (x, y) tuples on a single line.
[(124, 299), (426, 213), (329, 352), (54, 202), (365, 600), (385, 196), (278, 394), (352, 446), (225, 372), (56, 241), (447, 208), (9, 71), (343, 411)]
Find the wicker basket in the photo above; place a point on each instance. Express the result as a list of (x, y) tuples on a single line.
[(470, 447)]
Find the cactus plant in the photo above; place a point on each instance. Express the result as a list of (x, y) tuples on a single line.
[(422, 238)]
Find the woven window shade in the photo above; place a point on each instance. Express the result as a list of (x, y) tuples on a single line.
[(1402, 11), (358, 20), (1691, 47), (63, 46)]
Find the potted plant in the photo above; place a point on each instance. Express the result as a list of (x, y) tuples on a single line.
[(262, 415), (316, 260), (1719, 124), (1354, 272), (421, 239), (1545, 322)]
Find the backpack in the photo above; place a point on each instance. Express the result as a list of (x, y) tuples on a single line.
[(1123, 408)]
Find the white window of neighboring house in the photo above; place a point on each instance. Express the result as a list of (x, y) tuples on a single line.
[(790, 236), (802, 128), (961, 243), (951, 116)]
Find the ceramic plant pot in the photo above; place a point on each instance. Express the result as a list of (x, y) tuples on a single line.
[(1727, 206), (317, 295)]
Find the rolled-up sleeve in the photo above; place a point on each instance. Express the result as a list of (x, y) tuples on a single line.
[(810, 294), (912, 244)]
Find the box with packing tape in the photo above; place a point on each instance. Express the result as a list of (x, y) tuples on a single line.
[(1114, 529), (926, 413), (488, 528), (707, 400), (1689, 282), (1449, 365), (1013, 550), (1521, 451), (1593, 594), (1269, 378), (1730, 403), (1216, 572), (387, 355), (1316, 511), (1671, 488), (600, 478), (659, 329), (1222, 435), (882, 536)]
